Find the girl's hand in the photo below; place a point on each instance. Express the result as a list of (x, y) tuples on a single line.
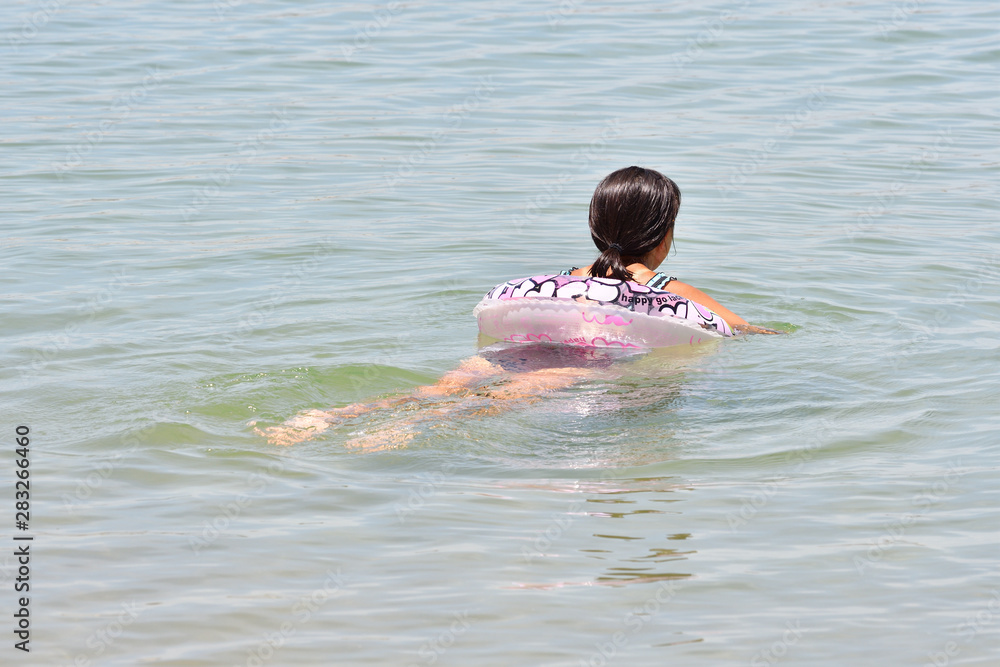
[(750, 328)]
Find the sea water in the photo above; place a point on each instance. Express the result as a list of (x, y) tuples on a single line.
[(217, 215)]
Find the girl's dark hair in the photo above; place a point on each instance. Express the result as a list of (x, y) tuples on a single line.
[(632, 210)]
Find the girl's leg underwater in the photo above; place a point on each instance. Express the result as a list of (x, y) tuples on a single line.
[(465, 383)]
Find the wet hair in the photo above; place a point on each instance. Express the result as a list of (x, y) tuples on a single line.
[(632, 210)]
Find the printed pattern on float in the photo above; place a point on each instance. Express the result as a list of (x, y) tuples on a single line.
[(634, 297)]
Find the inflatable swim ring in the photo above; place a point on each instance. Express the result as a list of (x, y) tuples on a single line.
[(594, 312)]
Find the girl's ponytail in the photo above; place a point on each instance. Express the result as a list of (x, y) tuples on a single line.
[(611, 264)]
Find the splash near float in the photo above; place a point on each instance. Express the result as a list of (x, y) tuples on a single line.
[(594, 312)]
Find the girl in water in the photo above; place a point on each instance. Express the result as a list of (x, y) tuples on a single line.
[(632, 216)]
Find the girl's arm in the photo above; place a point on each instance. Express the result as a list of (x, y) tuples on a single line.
[(738, 324), (695, 294)]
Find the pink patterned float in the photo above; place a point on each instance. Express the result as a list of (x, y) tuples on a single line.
[(594, 312)]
